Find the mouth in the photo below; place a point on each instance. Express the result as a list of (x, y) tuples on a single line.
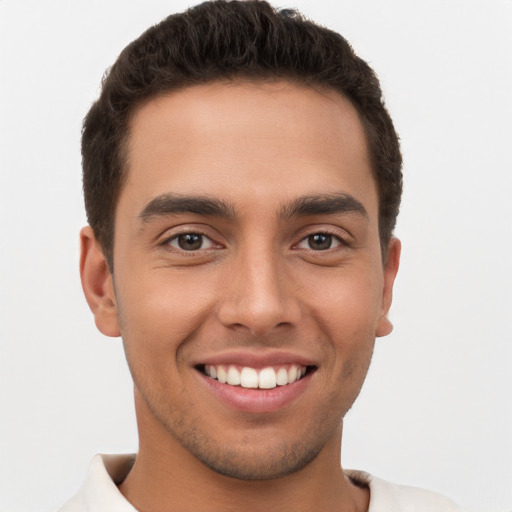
[(268, 377)]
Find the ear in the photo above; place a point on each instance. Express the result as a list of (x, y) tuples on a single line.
[(98, 284), (384, 326)]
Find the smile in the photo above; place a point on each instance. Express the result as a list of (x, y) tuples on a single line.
[(252, 378), (254, 384)]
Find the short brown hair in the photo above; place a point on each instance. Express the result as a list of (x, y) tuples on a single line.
[(224, 40)]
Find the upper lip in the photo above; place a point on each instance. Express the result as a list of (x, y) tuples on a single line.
[(256, 360)]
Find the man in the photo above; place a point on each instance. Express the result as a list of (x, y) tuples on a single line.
[(242, 179)]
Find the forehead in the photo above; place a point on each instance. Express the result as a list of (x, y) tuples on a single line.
[(245, 140)]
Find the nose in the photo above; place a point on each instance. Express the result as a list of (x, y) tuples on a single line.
[(259, 294)]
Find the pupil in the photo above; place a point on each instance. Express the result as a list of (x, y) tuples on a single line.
[(320, 241), (190, 241)]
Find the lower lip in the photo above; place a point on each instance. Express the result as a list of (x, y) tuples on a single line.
[(256, 400)]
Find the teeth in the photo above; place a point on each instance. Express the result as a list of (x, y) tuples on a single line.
[(292, 374), (282, 377), (267, 378), (249, 378), (233, 376), (222, 376)]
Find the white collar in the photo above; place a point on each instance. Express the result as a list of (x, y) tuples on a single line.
[(99, 492)]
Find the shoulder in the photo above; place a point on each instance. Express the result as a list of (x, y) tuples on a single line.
[(389, 497)]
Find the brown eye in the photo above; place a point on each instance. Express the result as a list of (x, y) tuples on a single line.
[(320, 241), (191, 242)]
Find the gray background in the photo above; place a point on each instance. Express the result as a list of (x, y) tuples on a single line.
[(436, 410)]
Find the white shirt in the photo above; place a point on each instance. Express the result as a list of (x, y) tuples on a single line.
[(99, 493)]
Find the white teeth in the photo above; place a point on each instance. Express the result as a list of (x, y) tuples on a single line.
[(292, 374), (233, 376), (247, 377), (222, 376), (267, 378), (282, 377)]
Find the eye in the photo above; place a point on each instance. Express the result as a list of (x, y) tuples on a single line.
[(190, 242), (320, 242)]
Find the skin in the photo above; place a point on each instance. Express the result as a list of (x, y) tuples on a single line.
[(259, 284)]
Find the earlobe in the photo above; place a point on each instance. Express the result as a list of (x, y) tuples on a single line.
[(384, 326), (97, 283)]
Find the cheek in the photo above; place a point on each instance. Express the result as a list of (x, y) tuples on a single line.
[(158, 315), (348, 316), (349, 304)]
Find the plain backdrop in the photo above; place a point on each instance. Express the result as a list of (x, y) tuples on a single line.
[(436, 410)]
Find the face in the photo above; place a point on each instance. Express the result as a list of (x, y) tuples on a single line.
[(249, 285)]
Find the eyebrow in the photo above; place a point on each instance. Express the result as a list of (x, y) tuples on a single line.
[(169, 204), (324, 204)]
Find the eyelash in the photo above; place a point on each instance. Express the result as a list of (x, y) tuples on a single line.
[(333, 238), (340, 241), (176, 237)]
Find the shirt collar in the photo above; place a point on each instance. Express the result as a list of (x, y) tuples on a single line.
[(99, 491)]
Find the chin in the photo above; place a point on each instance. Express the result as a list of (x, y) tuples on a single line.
[(266, 463)]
